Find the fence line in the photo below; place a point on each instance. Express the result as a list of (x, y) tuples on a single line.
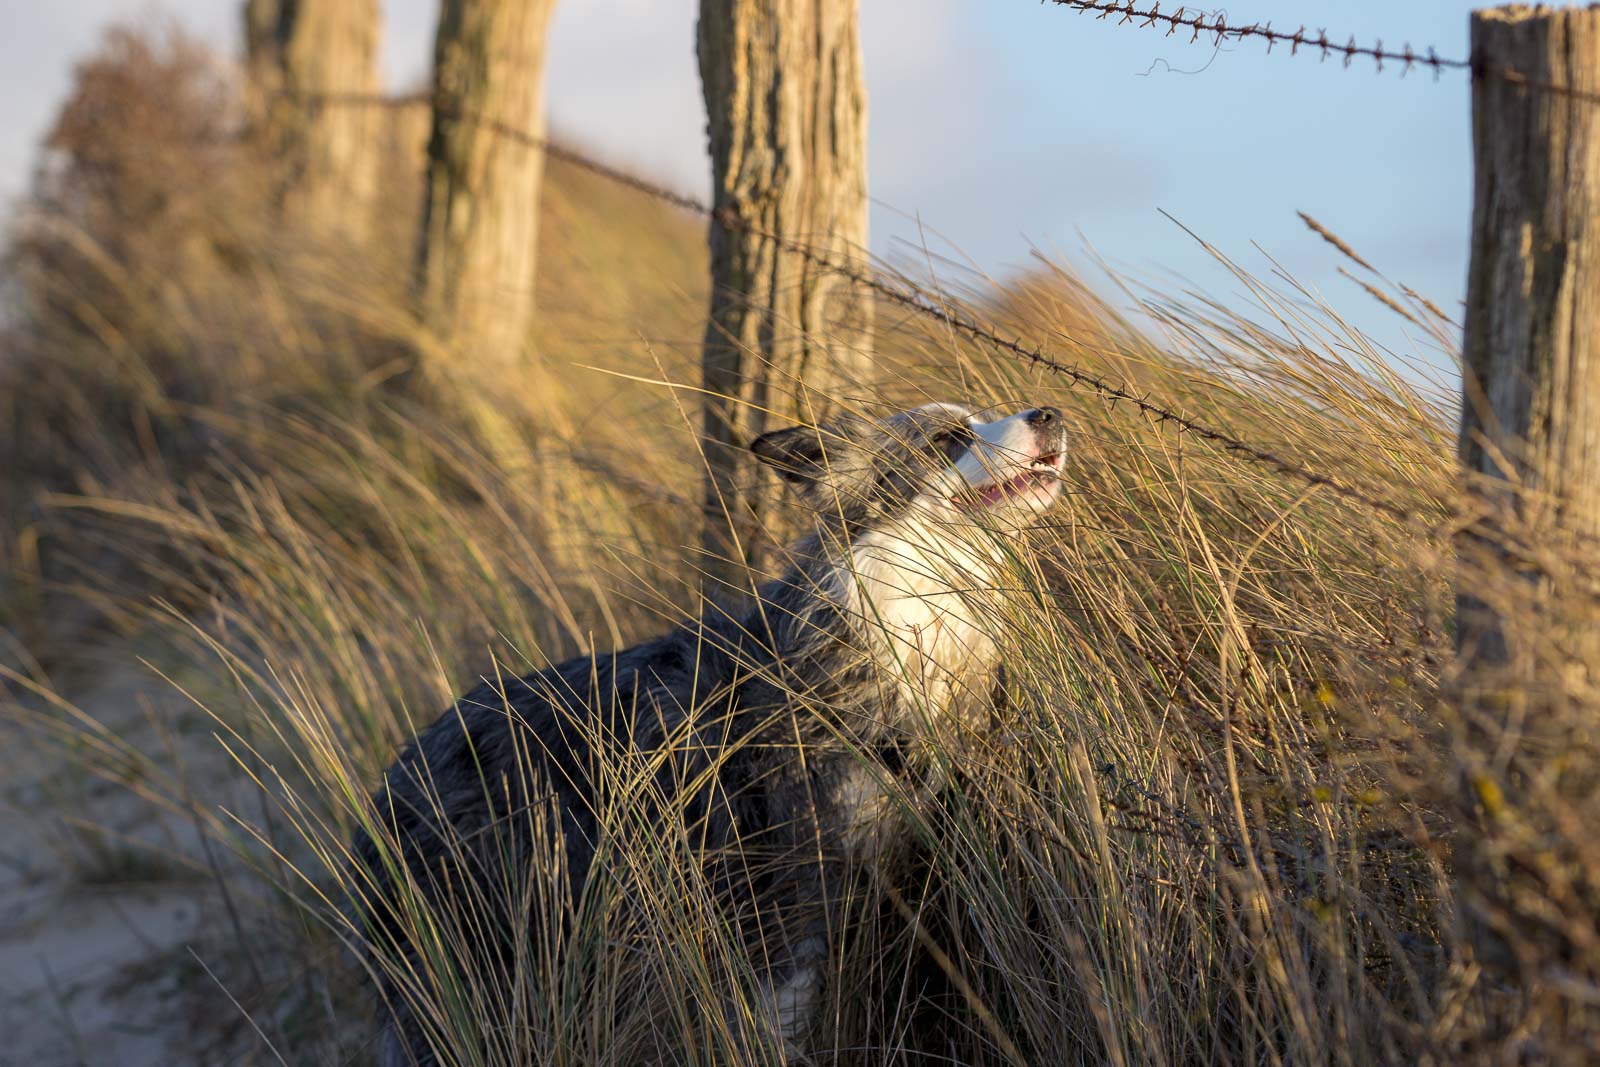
[(906, 295), (1216, 26)]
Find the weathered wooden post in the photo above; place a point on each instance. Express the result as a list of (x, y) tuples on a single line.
[(786, 112), (1532, 389), (1530, 441), (476, 254), (296, 52)]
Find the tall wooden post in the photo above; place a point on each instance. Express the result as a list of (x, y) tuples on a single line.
[(1533, 293), (296, 51), (480, 213), (1530, 441), (263, 54), (787, 124)]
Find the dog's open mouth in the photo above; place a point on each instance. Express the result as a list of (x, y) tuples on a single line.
[(1040, 479)]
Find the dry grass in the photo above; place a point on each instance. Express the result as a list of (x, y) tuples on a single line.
[(1232, 793)]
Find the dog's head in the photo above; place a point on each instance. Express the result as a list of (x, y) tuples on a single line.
[(938, 461)]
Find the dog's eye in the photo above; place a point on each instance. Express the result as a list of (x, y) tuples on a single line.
[(953, 440)]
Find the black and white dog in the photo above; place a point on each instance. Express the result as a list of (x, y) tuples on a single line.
[(766, 738)]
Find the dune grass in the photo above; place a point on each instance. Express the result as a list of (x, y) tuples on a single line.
[(1224, 809)]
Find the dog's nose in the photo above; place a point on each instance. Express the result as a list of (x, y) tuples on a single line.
[(1039, 418)]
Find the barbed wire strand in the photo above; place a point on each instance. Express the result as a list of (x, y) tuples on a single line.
[(1198, 24), (1215, 27), (905, 296)]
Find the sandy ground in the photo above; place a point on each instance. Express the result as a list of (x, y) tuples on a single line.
[(106, 934)]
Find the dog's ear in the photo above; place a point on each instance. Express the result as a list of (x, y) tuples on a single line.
[(798, 454)]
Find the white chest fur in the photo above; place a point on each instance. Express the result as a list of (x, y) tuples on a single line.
[(916, 596)]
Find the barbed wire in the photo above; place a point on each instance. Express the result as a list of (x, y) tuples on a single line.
[(1198, 24), (902, 295), (1215, 26), (1108, 391), (551, 149), (1532, 84)]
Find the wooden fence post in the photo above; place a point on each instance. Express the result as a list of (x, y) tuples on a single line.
[(329, 155), (1532, 388), (786, 115), (1530, 442), (477, 252)]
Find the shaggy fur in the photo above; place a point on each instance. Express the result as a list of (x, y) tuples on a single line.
[(769, 740)]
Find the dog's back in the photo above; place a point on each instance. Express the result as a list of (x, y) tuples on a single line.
[(692, 731)]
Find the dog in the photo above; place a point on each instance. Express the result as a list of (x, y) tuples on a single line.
[(769, 738)]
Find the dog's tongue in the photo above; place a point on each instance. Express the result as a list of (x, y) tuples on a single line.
[(996, 493), (991, 495)]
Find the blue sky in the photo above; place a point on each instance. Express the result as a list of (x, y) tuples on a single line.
[(1002, 125)]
